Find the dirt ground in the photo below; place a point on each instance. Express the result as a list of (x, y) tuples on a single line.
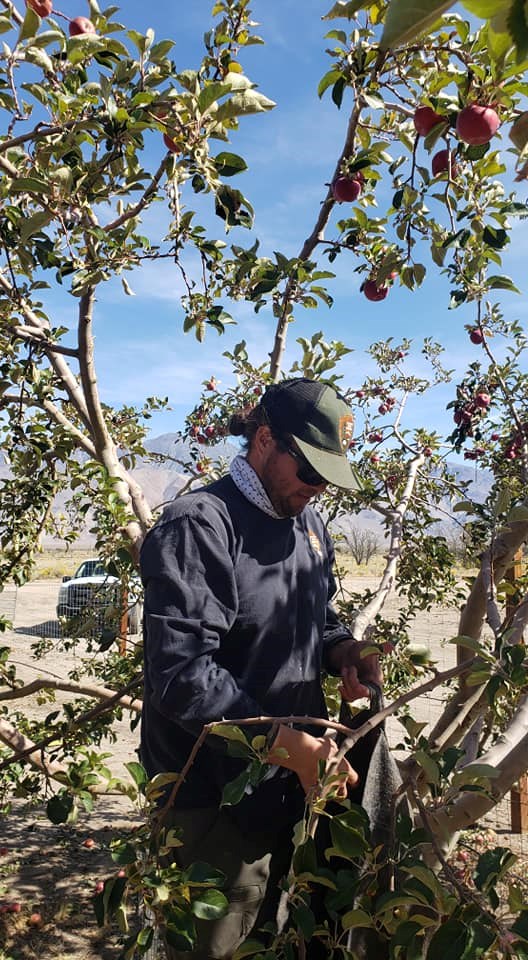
[(47, 869)]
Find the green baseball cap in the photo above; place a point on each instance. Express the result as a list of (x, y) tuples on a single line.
[(320, 422)]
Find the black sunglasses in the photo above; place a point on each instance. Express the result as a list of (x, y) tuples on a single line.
[(305, 471)]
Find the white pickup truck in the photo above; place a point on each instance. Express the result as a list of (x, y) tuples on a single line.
[(96, 592)]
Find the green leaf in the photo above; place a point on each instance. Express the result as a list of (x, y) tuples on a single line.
[(345, 9), (29, 185), (235, 790), (248, 949), (229, 164), (210, 905), (407, 19), (429, 765), (34, 224), (356, 918), (229, 732), (519, 131), (304, 920), (331, 77), (502, 283), (492, 866), (518, 27), (473, 772), (203, 873), (30, 25), (242, 104), (464, 506), (346, 841), (59, 807), (495, 237), (468, 643)]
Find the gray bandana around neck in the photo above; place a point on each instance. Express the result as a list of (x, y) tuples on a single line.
[(250, 486)]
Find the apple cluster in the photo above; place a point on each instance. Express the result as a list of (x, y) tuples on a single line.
[(76, 27), (475, 125)]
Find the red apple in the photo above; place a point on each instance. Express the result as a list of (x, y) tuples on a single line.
[(35, 919), (476, 335), (425, 118), (42, 7), (360, 394), (211, 384), (170, 144), (440, 163), (428, 452), (347, 189), (373, 292), (89, 843), (483, 400), (374, 458), (99, 886), (375, 437), (209, 431), (495, 436), (80, 25), (476, 125)]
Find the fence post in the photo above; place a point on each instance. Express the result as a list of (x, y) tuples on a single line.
[(518, 793)]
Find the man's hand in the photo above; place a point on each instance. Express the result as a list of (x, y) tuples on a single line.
[(356, 670), (300, 752)]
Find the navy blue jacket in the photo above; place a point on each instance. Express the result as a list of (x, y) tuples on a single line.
[(238, 623)]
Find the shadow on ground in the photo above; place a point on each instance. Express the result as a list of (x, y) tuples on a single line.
[(49, 628), (47, 869)]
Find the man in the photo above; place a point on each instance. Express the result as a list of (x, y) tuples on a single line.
[(238, 624)]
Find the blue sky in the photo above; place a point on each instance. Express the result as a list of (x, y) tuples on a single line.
[(291, 152)]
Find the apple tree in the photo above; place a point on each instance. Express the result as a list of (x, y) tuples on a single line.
[(435, 96)]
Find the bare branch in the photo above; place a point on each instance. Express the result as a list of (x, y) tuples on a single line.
[(85, 689), (37, 336), (141, 204), (366, 616)]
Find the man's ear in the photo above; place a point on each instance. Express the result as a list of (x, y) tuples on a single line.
[(263, 439)]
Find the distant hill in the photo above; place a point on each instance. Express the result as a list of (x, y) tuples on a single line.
[(161, 480)]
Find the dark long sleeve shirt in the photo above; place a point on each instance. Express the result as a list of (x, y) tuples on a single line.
[(238, 623)]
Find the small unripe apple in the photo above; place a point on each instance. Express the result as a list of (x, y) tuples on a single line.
[(440, 163), (482, 400), (346, 189), (42, 7), (80, 25), (170, 144), (476, 125), (476, 335), (425, 118), (373, 292)]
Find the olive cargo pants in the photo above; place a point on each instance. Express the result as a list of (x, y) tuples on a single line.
[(253, 862)]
